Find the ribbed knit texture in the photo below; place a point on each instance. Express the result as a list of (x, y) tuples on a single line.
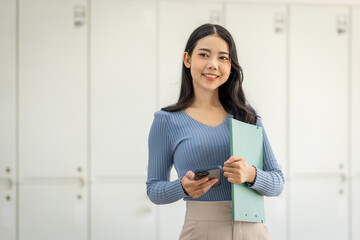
[(178, 140)]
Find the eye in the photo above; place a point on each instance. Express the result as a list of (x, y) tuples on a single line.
[(224, 58), (203, 54)]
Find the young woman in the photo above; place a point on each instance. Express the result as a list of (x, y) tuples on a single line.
[(194, 134)]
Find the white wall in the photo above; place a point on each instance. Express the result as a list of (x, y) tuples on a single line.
[(80, 80)]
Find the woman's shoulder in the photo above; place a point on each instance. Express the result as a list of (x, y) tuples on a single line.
[(165, 115)]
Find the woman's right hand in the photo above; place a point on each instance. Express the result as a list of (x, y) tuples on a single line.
[(196, 188)]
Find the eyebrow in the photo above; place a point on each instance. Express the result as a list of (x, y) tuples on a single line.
[(208, 50)]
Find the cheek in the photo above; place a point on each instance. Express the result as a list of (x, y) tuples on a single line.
[(226, 72), (196, 70)]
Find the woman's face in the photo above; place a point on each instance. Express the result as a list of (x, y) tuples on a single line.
[(209, 63)]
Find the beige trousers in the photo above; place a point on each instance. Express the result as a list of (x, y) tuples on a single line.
[(213, 221)]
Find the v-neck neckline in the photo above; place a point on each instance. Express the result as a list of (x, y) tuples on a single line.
[(204, 123)]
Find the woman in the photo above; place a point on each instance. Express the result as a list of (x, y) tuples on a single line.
[(194, 134)]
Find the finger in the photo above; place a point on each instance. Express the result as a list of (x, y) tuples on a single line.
[(190, 184), (232, 167), (232, 180), (208, 183), (205, 188), (234, 159), (231, 175), (200, 181), (211, 183), (190, 175)]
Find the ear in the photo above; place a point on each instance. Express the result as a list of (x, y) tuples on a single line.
[(187, 60)]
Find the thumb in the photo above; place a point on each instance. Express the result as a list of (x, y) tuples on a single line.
[(190, 175)]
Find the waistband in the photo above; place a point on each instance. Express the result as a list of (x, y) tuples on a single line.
[(208, 211)]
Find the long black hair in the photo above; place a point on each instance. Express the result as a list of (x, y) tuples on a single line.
[(231, 94)]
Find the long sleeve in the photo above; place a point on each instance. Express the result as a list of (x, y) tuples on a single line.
[(159, 187), (270, 181)]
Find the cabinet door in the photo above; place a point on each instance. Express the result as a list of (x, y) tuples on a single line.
[(7, 211), (318, 209), (319, 89), (7, 119), (355, 208), (355, 87), (260, 36), (171, 219), (123, 85), (52, 88), (54, 212), (177, 20), (355, 128), (122, 211), (276, 215)]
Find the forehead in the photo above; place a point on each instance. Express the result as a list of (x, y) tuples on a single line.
[(213, 43)]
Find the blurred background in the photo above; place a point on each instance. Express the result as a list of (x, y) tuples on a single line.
[(81, 79)]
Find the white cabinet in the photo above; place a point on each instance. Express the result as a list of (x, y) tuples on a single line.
[(7, 119), (318, 209), (123, 85), (355, 209), (177, 20), (259, 33), (355, 128), (122, 211), (319, 89), (276, 215), (318, 118), (52, 88), (260, 36), (53, 212), (355, 90), (171, 219), (7, 211)]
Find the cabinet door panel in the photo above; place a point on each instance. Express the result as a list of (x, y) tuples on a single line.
[(52, 212), (52, 88), (7, 212), (355, 87), (171, 219), (7, 119), (276, 216), (177, 19), (319, 89), (318, 209), (7, 89), (122, 211), (260, 36), (355, 128), (123, 88), (355, 209)]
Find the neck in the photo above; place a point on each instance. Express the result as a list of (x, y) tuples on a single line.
[(206, 99)]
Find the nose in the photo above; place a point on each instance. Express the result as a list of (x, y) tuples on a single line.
[(213, 64)]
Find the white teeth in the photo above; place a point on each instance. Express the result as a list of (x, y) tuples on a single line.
[(210, 76)]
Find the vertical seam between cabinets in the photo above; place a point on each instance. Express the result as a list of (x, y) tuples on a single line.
[(224, 4), (16, 185), (157, 44), (287, 120), (350, 77), (157, 93), (88, 59)]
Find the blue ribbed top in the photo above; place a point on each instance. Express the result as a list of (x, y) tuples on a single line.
[(178, 140)]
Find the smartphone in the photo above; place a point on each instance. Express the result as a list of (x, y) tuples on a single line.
[(211, 173)]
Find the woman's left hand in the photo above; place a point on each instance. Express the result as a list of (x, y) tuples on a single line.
[(237, 170)]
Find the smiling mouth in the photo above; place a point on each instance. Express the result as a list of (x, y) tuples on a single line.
[(210, 77)]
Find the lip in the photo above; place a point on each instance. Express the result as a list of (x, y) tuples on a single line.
[(211, 78)]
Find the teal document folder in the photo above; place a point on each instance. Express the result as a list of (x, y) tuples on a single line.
[(246, 140)]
